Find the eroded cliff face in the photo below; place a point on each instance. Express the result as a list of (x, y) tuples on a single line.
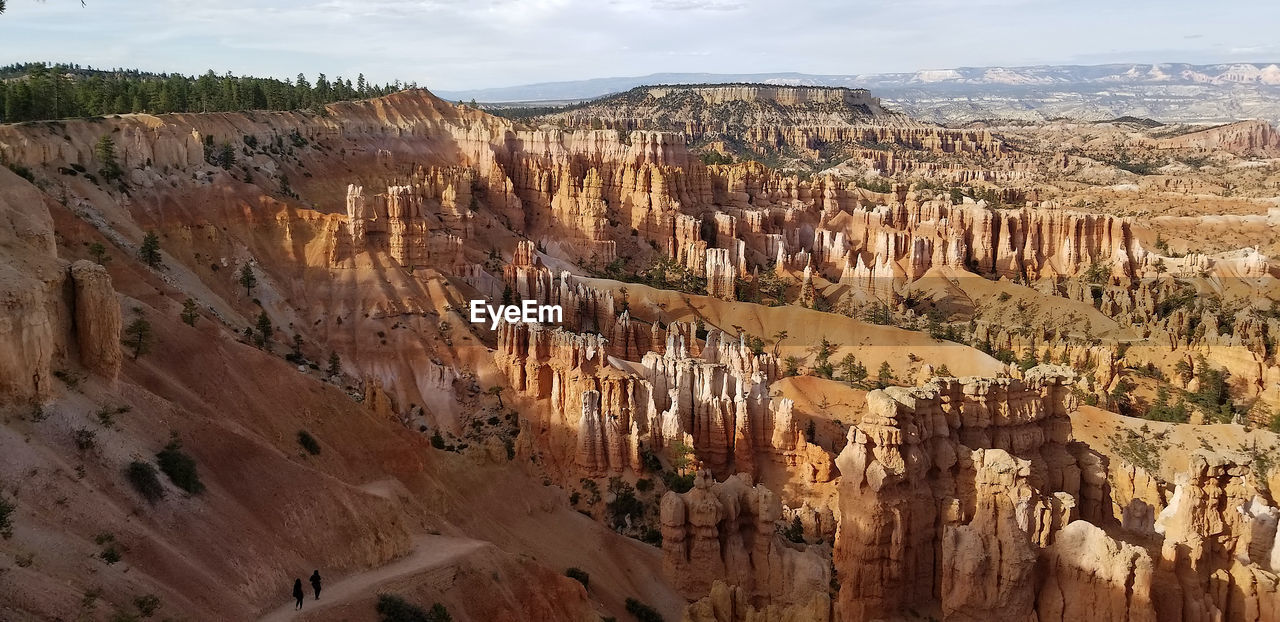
[(726, 531), (969, 496), (812, 122), (52, 313)]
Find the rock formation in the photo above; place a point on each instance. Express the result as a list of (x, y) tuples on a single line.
[(931, 476), (97, 318), (726, 531)]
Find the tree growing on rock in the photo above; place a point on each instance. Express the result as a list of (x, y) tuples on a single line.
[(496, 391), (777, 341), (335, 364)]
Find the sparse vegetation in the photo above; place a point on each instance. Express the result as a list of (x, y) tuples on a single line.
[(1136, 449), (85, 439), (794, 531), (624, 506), (180, 467), (642, 612), (308, 442), (7, 508), (579, 575), (392, 608), (110, 552), (147, 605)]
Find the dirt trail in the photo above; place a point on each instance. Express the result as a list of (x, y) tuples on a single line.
[(429, 552)]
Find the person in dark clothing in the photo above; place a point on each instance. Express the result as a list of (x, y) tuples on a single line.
[(298, 593), (315, 583)]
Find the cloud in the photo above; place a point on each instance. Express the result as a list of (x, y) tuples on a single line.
[(698, 5), (460, 44)]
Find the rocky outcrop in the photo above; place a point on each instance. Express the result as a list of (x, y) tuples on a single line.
[(97, 318), (947, 491), (34, 315), (1090, 576), (728, 530), (1245, 138), (716, 402), (730, 603), (770, 117), (419, 224)]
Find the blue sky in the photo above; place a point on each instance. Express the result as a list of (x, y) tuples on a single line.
[(461, 44)]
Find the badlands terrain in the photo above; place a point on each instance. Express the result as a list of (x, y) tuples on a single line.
[(819, 360)]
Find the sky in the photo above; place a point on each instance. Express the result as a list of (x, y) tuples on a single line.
[(466, 44)]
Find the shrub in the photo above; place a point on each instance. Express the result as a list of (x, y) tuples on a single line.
[(308, 442), (110, 554), (84, 438), (678, 483), (180, 467), (147, 605), (795, 531), (579, 575), (23, 172), (642, 612), (624, 503), (392, 608), (6, 518), (145, 480)]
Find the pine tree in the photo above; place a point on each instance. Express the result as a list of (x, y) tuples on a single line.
[(335, 364), (885, 373), (226, 156), (264, 329), (98, 253), (189, 312), (105, 152), (149, 252), (247, 280), (137, 335)]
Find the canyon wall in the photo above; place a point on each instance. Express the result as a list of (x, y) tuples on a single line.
[(970, 495)]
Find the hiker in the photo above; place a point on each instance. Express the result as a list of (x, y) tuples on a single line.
[(298, 593), (315, 583)]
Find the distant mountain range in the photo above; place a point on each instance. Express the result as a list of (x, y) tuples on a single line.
[(1170, 92)]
